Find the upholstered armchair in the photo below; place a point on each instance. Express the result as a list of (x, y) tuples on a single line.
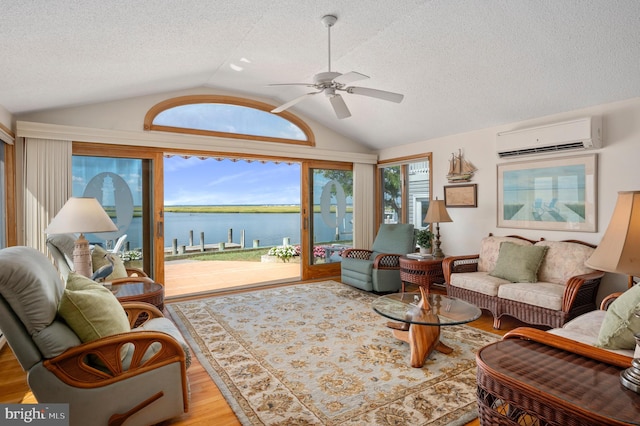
[(378, 269), (61, 248), (77, 345)]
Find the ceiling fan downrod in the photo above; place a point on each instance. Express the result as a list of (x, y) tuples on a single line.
[(329, 21)]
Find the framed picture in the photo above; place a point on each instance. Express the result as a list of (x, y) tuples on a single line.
[(461, 195), (553, 194)]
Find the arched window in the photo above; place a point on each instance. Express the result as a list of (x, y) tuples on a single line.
[(227, 117)]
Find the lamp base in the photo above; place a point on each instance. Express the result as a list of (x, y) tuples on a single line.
[(437, 251), (630, 378), (82, 257)]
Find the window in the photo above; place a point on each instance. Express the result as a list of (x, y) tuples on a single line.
[(227, 117), (404, 190)]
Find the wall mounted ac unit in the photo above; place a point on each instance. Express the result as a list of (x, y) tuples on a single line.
[(580, 134)]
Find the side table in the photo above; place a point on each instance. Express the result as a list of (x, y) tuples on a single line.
[(149, 292), (422, 272), (527, 381)]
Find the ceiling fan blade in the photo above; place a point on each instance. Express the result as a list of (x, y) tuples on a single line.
[(293, 102), (350, 77), (375, 93), (339, 106)]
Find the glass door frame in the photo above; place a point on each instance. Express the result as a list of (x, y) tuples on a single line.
[(155, 193), (310, 270)]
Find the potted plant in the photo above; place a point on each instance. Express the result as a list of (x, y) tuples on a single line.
[(423, 239), (131, 258)]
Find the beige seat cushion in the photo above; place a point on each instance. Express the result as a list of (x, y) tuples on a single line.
[(545, 295), (585, 329), (480, 282)]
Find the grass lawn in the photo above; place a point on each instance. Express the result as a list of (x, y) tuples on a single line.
[(241, 255)]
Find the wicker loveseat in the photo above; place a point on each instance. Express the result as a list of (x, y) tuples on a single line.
[(563, 288)]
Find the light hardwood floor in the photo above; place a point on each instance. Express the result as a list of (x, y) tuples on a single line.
[(208, 406)]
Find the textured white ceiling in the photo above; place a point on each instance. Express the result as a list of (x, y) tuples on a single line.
[(462, 64)]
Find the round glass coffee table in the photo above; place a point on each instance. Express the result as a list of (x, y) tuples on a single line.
[(420, 322)]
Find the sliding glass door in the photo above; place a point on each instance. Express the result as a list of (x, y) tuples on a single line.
[(125, 186), (327, 217)]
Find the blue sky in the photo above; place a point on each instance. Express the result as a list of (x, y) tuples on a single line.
[(193, 181)]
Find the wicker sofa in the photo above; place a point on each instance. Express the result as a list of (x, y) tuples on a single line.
[(564, 287)]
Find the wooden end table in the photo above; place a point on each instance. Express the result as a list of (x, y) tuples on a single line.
[(523, 380), (149, 292), (422, 272)]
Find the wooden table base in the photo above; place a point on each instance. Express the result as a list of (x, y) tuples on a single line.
[(422, 340)]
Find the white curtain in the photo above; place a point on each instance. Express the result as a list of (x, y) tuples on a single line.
[(364, 231), (46, 174)]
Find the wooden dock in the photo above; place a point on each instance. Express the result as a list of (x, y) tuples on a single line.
[(199, 249)]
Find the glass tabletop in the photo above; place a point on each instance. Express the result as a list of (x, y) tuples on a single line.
[(404, 307)]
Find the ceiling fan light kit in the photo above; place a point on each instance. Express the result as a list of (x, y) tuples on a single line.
[(331, 82)]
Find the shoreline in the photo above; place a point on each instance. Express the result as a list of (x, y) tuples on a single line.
[(243, 209), (234, 209)]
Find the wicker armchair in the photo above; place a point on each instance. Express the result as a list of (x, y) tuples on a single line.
[(378, 269), (138, 377), (578, 292)]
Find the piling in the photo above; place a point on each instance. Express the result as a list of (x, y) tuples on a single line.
[(174, 247), (201, 241), (256, 243), (191, 238)]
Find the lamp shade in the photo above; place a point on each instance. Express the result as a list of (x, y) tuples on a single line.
[(619, 250), (437, 212), (83, 215)]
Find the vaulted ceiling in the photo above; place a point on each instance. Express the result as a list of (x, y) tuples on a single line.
[(461, 64)]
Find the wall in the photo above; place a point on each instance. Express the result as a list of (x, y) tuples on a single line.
[(128, 115), (618, 170)]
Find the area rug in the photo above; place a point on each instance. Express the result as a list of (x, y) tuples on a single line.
[(317, 354)]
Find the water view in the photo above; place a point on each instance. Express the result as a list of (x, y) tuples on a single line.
[(268, 228)]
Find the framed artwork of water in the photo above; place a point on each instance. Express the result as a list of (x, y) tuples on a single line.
[(553, 194)]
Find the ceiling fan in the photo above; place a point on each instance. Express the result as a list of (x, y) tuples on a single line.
[(330, 83)]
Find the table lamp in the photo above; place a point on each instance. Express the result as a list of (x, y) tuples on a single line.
[(619, 252), (80, 214), (435, 214)]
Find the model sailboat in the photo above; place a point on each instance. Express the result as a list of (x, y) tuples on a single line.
[(460, 170)]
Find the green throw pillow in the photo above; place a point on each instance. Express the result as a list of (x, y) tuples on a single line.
[(91, 310), (519, 264), (98, 260), (620, 323)]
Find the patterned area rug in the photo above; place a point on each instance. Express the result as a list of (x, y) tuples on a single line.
[(318, 354)]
